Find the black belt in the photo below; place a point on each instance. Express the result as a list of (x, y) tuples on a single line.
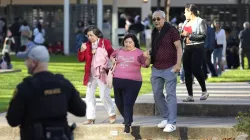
[(218, 46)]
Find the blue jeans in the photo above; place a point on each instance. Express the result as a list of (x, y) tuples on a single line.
[(217, 55), (182, 74), (167, 106)]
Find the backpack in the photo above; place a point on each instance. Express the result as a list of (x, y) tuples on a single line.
[(4, 64)]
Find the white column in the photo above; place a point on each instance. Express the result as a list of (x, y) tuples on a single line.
[(99, 14), (85, 1), (114, 23), (145, 9), (66, 27)]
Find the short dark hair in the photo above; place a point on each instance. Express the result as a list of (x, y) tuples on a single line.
[(193, 9), (25, 23), (134, 38), (95, 30), (80, 24)]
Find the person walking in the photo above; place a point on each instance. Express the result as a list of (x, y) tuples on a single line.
[(91, 79), (209, 48), (166, 59), (194, 33), (127, 80), (219, 55), (244, 45)]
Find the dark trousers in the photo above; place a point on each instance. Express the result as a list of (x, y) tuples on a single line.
[(242, 53), (207, 62), (233, 57), (126, 92), (17, 44), (193, 58)]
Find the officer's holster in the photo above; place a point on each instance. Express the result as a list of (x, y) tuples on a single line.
[(52, 133)]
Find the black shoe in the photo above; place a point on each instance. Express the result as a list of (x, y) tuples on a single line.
[(215, 75), (127, 129)]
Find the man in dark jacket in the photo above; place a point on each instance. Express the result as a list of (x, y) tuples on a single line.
[(41, 101), (16, 34), (244, 48), (209, 48)]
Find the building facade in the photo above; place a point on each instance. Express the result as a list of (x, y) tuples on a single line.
[(228, 12)]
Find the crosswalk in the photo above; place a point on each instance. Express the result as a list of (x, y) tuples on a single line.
[(218, 89), (219, 92)]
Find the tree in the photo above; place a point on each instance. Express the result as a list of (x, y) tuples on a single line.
[(167, 9), (158, 4)]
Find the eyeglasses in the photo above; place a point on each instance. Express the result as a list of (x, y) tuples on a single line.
[(158, 19)]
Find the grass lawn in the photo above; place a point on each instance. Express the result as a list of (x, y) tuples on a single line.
[(73, 70), (234, 75), (66, 65)]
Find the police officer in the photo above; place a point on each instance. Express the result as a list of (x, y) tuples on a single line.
[(41, 101)]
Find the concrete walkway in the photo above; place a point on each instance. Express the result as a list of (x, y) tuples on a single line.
[(9, 70), (195, 127)]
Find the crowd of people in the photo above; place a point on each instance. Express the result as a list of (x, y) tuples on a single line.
[(18, 36), (191, 46)]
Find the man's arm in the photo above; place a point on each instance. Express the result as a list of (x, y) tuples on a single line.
[(176, 39), (179, 52), (76, 105), (15, 111)]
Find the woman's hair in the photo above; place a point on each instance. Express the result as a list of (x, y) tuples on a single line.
[(39, 27), (134, 38), (215, 22), (95, 30), (193, 9), (25, 23)]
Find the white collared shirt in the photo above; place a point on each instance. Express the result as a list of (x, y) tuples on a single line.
[(221, 40), (95, 44)]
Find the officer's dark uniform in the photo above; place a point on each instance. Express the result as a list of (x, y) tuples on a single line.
[(41, 102)]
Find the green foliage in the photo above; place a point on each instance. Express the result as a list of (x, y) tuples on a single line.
[(243, 124)]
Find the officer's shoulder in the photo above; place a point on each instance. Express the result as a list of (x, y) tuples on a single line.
[(59, 76), (63, 79), (25, 81), (24, 85)]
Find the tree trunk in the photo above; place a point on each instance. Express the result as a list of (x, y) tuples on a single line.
[(11, 16), (158, 4), (167, 8)]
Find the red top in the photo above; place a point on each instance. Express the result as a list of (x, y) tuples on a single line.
[(188, 29), (87, 57), (166, 56)]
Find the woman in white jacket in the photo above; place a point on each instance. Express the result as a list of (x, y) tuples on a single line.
[(219, 55), (39, 34)]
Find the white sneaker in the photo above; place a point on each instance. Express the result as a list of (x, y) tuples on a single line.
[(162, 124), (169, 128), (204, 95)]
